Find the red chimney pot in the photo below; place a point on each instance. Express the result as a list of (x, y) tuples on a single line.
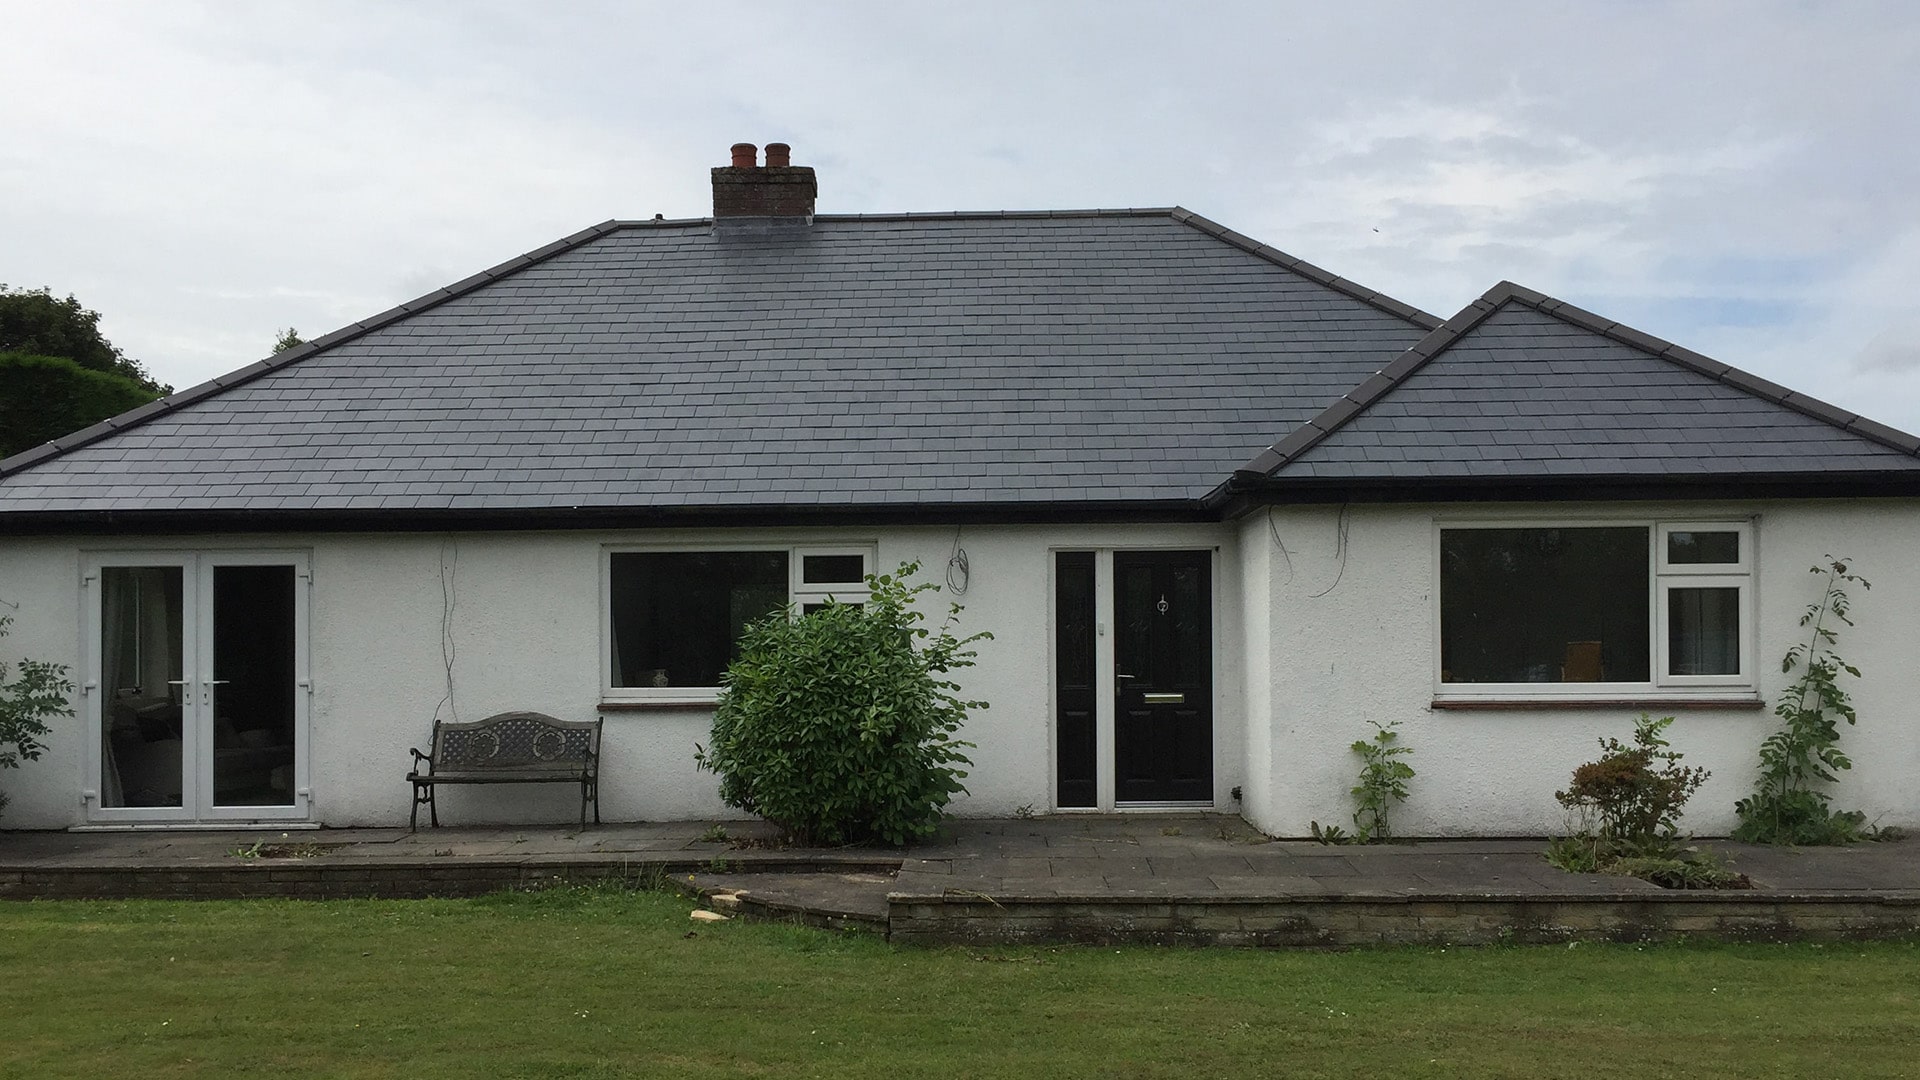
[(777, 155), (743, 155)]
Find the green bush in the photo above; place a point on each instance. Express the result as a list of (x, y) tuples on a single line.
[(37, 693), (1635, 803), (1627, 806), (839, 726), (45, 397)]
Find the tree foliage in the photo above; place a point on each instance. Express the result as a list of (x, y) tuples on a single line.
[(45, 397), (30, 696), (58, 374), (288, 339), (35, 322), (840, 726)]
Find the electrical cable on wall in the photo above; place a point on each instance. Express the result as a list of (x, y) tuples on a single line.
[(957, 569), (449, 581), (1281, 544), (1339, 550)]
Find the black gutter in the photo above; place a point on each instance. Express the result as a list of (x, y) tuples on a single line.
[(1246, 493), (178, 522)]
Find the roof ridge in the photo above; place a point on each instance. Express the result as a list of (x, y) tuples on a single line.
[(1443, 337), (1371, 297), (53, 448), (983, 215)]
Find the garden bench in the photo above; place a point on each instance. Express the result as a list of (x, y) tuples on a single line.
[(509, 748)]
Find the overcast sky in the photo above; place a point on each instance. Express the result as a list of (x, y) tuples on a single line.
[(1742, 178)]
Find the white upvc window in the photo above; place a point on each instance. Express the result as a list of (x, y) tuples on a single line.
[(1594, 609), (1704, 578), (673, 615)]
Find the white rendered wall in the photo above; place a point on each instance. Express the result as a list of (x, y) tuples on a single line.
[(1355, 642), (527, 629)]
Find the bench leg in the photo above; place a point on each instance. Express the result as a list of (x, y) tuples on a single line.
[(422, 793)]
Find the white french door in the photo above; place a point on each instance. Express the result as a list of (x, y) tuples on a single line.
[(196, 687)]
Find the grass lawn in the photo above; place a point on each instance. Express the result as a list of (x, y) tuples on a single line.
[(597, 983)]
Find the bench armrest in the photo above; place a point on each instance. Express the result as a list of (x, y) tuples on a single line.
[(419, 757)]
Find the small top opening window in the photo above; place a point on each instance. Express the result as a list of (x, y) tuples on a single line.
[(833, 569), (1703, 547)]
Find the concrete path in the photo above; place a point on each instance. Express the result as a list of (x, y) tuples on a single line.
[(1192, 859)]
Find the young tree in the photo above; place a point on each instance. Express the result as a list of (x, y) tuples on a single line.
[(38, 692)]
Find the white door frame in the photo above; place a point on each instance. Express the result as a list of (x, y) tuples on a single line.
[(1104, 667), (197, 689)]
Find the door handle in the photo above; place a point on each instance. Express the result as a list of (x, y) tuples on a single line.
[(218, 682)]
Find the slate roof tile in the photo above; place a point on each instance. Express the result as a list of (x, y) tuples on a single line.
[(1521, 390), (1089, 357)]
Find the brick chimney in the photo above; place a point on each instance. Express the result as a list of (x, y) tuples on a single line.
[(778, 192)]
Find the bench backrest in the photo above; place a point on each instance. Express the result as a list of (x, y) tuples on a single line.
[(515, 740)]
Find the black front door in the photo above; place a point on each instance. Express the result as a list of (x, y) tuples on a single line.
[(1163, 664)]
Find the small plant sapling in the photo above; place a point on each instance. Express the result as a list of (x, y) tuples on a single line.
[(1383, 782), (1786, 806), (29, 696)]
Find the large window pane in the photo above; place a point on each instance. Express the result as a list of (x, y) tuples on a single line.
[(1544, 605), (253, 671), (141, 672), (677, 615), (1703, 631)]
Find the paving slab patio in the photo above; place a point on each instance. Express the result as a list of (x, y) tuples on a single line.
[(1121, 859)]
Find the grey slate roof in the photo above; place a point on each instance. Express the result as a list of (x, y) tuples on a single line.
[(1080, 358), (1523, 387)]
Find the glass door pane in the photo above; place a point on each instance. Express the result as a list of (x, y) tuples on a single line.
[(144, 691), (250, 703)]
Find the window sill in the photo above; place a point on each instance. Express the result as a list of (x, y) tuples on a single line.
[(682, 705), (1646, 704)]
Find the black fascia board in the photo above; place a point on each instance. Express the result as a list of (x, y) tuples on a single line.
[(1248, 492), (181, 522)]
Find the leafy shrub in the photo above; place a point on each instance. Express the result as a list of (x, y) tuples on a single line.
[(1628, 805), (38, 693), (839, 726), (1634, 803), (1785, 807), (1383, 781)]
